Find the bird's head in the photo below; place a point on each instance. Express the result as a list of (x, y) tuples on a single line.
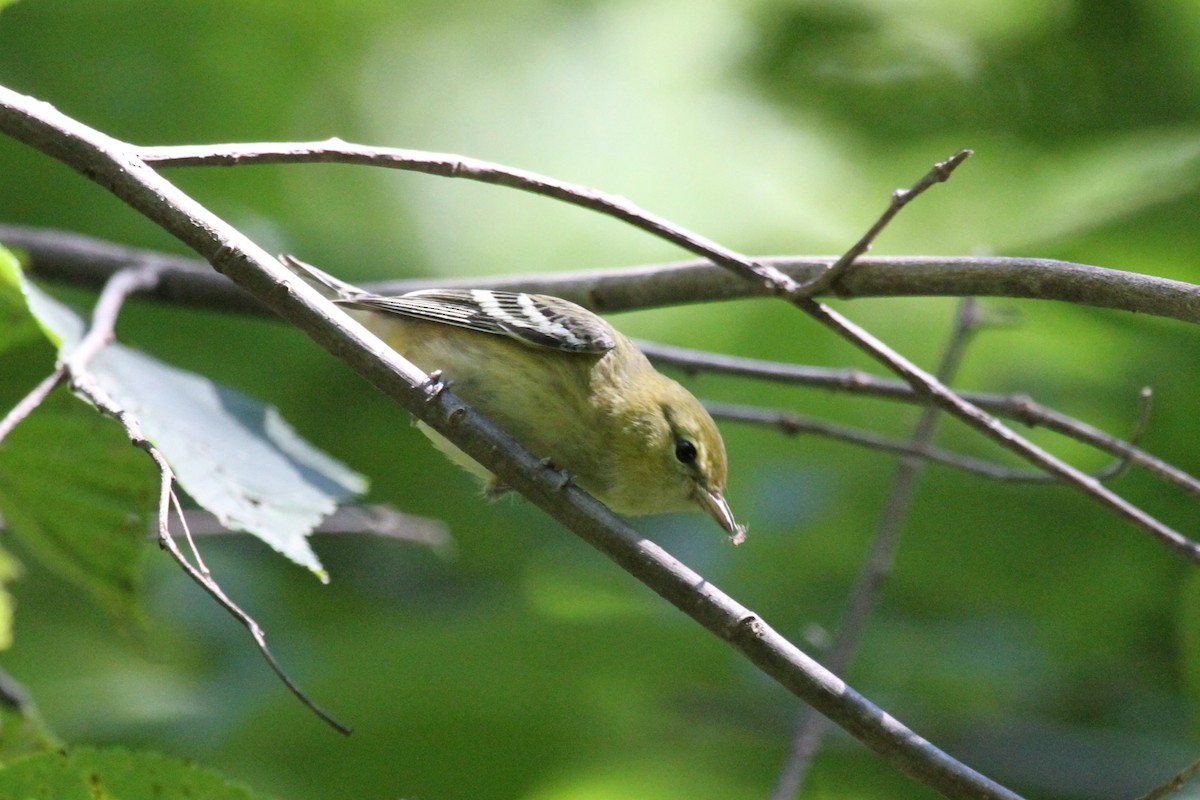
[(682, 462)]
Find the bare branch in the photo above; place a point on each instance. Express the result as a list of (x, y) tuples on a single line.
[(795, 424), (1175, 783), (61, 255), (449, 165), (900, 198), (377, 520), (811, 727), (1021, 408), (116, 166), (31, 401)]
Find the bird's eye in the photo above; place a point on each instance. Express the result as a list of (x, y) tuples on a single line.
[(685, 451)]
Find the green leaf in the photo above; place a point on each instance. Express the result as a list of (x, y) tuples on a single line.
[(17, 327), (85, 773), (77, 495), (10, 570), (234, 456)]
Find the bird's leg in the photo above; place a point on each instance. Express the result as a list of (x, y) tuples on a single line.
[(564, 477), (495, 488), (434, 385)]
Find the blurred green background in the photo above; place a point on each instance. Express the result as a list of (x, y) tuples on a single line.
[(1026, 631)]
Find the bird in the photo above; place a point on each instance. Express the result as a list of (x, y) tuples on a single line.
[(561, 381)]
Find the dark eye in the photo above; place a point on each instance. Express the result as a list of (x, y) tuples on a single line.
[(685, 451)]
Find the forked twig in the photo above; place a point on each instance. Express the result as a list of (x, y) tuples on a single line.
[(101, 331), (940, 173)]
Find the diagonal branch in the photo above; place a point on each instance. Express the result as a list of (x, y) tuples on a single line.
[(811, 727), (939, 394)]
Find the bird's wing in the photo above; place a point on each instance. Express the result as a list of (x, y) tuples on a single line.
[(532, 319)]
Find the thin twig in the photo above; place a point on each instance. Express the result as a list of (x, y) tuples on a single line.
[(811, 727), (1175, 783), (103, 326), (900, 198), (794, 424), (1019, 407), (376, 520), (31, 401), (200, 564), (449, 165)]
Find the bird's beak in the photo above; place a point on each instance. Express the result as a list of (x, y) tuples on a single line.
[(717, 507)]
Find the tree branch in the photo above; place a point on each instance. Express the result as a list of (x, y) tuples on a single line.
[(29, 402), (87, 261), (1174, 783), (793, 425), (828, 279), (1019, 407)]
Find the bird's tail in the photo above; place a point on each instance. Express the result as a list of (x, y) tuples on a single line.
[(323, 282)]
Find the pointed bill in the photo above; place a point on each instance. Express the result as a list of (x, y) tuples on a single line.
[(717, 507)]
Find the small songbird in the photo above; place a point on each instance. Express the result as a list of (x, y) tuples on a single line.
[(562, 382)]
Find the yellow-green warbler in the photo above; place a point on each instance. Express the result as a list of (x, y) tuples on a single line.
[(562, 382)]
